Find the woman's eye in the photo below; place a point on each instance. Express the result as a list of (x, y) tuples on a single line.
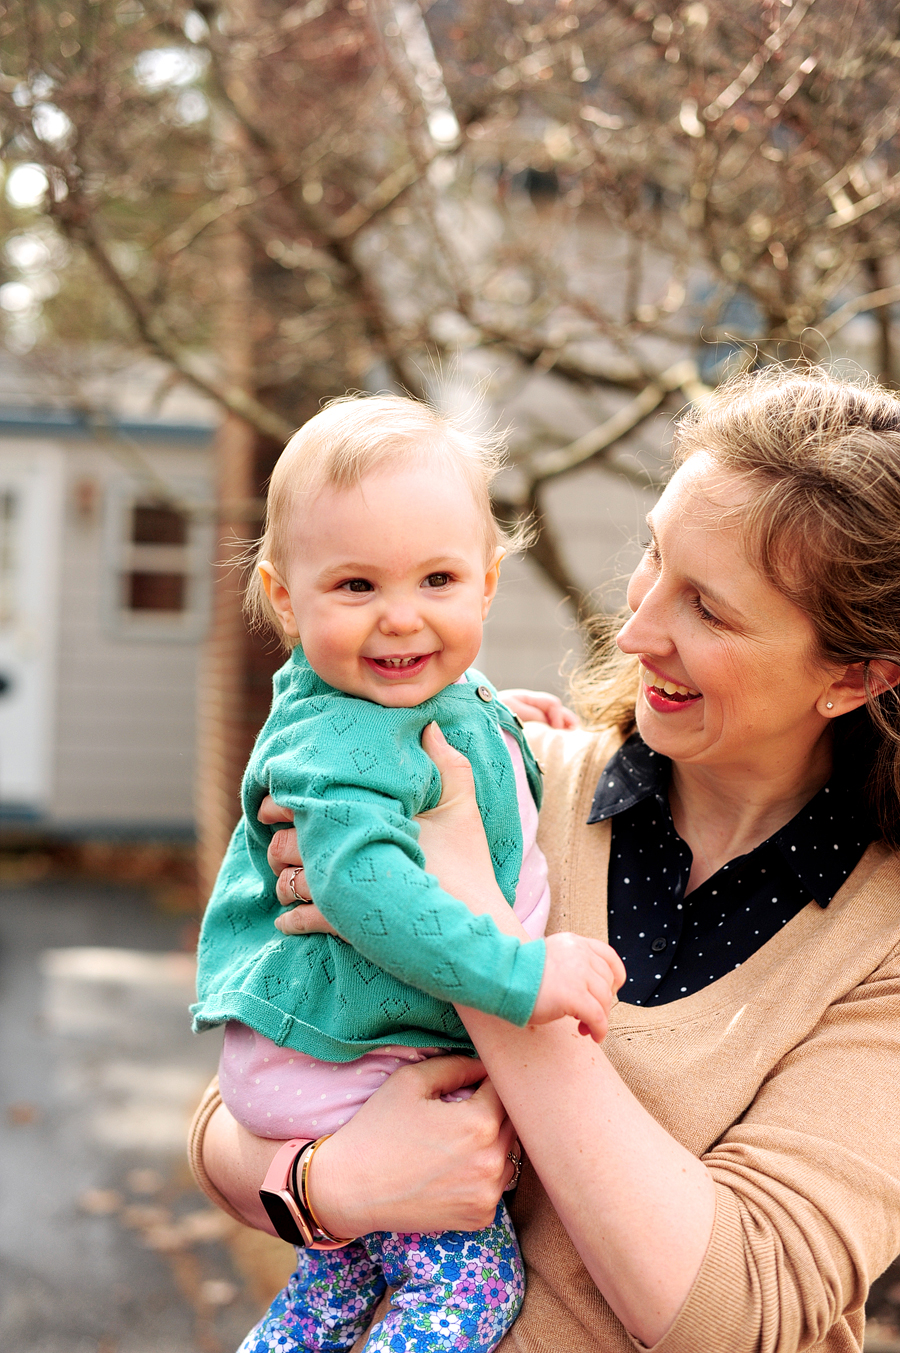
[(651, 550), (705, 615), (437, 579), (357, 585)]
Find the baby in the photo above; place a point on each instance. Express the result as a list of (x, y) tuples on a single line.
[(378, 565)]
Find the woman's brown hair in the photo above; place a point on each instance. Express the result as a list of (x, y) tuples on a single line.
[(821, 458)]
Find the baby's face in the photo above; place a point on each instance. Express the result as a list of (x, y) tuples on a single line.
[(387, 585)]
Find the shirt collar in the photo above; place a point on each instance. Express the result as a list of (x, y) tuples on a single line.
[(821, 844), (825, 841), (631, 775)]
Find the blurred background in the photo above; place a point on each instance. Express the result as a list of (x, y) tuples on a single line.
[(567, 219)]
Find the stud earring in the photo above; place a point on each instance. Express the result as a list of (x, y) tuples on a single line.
[(829, 704)]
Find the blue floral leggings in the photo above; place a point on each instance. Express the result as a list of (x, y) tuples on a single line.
[(455, 1290)]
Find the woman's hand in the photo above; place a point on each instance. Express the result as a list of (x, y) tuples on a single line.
[(283, 853), (407, 1161), (539, 707), (291, 886)]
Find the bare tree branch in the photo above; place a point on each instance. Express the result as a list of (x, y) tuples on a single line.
[(873, 300), (148, 326), (546, 553), (544, 465), (754, 67), (339, 243), (384, 195)]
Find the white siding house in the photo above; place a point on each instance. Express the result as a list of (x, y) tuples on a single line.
[(106, 537), (105, 547)]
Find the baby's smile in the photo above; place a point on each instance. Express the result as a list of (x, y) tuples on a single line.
[(398, 662), (402, 666)]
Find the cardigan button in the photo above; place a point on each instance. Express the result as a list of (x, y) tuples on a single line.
[(484, 694), (658, 945)]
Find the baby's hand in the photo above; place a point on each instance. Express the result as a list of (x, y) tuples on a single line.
[(581, 976), (539, 707)]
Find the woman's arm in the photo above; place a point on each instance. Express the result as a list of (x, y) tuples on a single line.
[(407, 1161), (638, 1206)]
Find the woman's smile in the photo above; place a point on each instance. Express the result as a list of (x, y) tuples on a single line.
[(662, 693)]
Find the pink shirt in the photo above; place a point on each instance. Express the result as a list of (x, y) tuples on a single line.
[(278, 1092)]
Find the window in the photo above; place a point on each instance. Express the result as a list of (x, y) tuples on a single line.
[(158, 559), (161, 561)]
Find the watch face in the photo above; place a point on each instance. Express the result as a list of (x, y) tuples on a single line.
[(283, 1216)]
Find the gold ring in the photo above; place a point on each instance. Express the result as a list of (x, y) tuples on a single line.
[(291, 889), (517, 1170)]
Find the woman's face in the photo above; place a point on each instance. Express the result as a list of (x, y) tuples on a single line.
[(729, 672)]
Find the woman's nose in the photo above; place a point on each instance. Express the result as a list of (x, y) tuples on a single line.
[(646, 629), (626, 638)]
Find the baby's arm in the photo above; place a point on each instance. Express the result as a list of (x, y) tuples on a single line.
[(579, 974), (363, 865)]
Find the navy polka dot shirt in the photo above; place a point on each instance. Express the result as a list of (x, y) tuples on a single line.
[(674, 945)]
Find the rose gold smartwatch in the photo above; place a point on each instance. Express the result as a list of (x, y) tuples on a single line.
[(285, 1199)]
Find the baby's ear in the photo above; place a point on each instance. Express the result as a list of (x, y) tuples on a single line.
[(279, 598), (492, 579)]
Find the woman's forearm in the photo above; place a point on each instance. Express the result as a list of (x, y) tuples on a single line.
[(236, 1163), (638, 1206), (407, 1161)]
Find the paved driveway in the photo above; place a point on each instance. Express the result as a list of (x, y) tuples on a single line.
[(105, 1245)]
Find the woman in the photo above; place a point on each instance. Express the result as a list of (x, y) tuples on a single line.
[(724, 1174)]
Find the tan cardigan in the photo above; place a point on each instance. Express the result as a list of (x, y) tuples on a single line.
[(783, 1077)]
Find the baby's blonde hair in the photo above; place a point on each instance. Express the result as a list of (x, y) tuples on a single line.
[(359, 435)]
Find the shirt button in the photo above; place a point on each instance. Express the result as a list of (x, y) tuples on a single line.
[(658, 945), (484, 694)]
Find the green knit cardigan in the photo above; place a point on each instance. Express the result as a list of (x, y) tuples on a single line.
[(355, 775)]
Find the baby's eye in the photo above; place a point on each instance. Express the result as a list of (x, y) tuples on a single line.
[(358, 585), (437, 579)]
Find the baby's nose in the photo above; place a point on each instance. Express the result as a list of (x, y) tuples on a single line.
[(401, 618)]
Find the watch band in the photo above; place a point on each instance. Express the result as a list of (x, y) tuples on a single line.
[(283, 1195), (300, 1183)]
